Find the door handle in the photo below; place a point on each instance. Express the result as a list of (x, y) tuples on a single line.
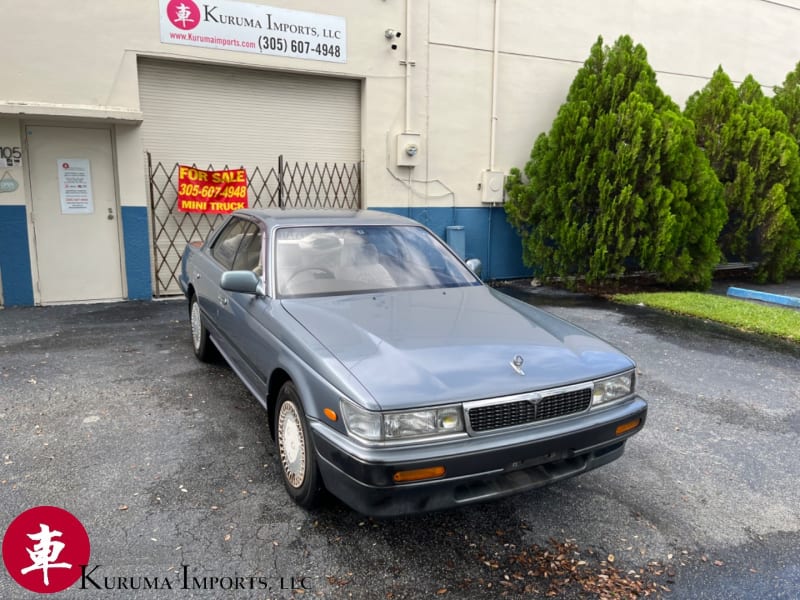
[(110, 215), (222, 300)]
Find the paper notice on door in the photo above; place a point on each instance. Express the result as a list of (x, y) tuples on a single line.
[(75, 186)]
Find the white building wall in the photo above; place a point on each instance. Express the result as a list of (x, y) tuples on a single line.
[(543, 43), (10, 139), (77, 61), (77, 58)]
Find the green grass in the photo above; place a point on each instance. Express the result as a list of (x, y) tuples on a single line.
[(741, 314)]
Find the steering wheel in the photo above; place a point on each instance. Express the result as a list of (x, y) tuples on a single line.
[(319, 273)]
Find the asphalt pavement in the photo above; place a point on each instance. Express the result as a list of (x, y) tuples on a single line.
[(167, 462)]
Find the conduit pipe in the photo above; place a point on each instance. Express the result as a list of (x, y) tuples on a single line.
[(407, 124), (495, 53)]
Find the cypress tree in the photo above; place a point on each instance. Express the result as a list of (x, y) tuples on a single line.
[(787, 100), (755, 156), (618, 183)]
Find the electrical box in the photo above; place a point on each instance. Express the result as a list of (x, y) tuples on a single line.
[(409, 149), (492, 184)]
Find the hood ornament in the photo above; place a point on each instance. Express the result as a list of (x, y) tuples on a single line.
[(516, 364)]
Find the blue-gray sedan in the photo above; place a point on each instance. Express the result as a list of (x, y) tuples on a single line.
[(391, 375)]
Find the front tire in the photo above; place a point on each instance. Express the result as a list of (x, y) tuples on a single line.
[(201, 344), (298, 461)]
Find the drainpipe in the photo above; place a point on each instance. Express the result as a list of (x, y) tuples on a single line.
[(407, 123), (495, 53), (493, 126)]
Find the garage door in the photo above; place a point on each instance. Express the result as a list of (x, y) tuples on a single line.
[(217, 116)]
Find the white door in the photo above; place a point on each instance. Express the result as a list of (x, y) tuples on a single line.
[(74, 212)]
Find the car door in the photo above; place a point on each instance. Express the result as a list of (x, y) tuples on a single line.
[(217, 259), (241, 315)]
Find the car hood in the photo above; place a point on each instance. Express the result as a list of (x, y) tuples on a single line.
[(416, 348)]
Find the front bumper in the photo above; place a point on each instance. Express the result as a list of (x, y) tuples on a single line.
[(477, 468)]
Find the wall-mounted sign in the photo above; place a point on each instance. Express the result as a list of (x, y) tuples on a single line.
[(75, 186), (10, 156), (255, 28), (216, 192), (8, 183)]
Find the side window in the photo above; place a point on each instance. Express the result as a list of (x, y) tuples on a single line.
[(226, 244), (249, 255)]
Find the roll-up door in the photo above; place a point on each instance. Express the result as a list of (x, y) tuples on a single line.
[(211, 113), (217, 116)]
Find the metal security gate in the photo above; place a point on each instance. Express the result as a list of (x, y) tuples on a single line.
[(285, 185)]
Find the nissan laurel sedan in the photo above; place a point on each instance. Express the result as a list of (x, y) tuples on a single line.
[(391, 375)]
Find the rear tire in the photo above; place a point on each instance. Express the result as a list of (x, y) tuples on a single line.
[(296, 454), (201, 344)]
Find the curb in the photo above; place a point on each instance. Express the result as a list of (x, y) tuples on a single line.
[(791, 301)]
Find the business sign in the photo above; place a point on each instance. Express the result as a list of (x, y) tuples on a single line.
[(255, 28), (215, 192), (10, 156), (8, 183), (75, 186)]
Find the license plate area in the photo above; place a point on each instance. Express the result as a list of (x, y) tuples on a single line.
[(534, 461)]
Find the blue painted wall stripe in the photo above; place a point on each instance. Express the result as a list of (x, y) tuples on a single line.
[(764, 296), (15, 257), (501, 260), (136, 240)]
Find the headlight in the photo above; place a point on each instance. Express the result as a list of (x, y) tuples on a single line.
[(362, 423), (613, 388), (391, 426)]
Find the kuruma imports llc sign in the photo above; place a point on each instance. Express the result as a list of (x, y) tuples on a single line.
[(255, 28)]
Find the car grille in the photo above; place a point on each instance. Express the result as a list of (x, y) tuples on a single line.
[(520, 412)]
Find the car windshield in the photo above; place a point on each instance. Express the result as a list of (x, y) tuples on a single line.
[(321, 261)]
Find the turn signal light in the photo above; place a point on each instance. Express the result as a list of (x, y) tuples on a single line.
[(331, 415), (418, 474), (628, 426)]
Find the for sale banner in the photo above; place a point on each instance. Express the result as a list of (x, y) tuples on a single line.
[(216, 192)]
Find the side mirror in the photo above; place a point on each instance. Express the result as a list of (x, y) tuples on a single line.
[(475, 266), (245, 282)]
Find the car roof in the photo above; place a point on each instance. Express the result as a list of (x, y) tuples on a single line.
[(298, 217)]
